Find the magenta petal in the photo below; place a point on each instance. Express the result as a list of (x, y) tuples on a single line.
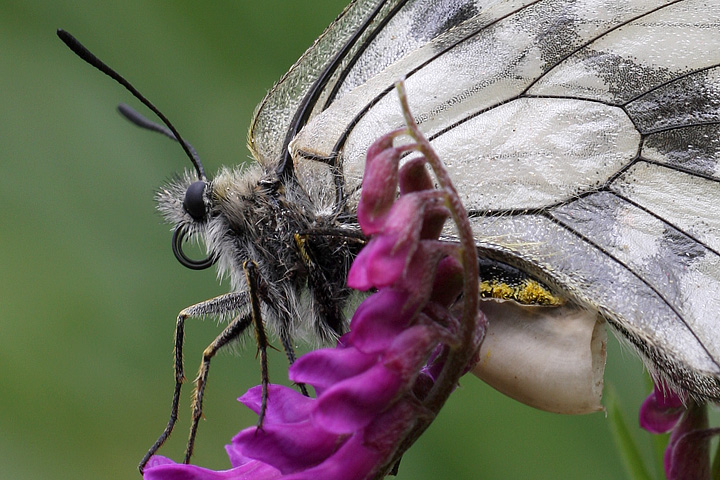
[(406, 215), (284, 404), (385, 259), (433, 222), (352, 461), (667, 399), (414, 176), (325, 367), (157, 460), (687, 456), (358, 276), (236, 456), (389, 427), (448, 281), (252, 470), (435, 363), (353, 403), (410, 350), (371, 220), (379, 319), (418, 279), (380, 182), (660, 413), (289, 448), (379, 264)]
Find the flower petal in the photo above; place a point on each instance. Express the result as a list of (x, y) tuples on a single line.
[(379, 264), (391, 426), (414, 176), (410, 350), (161, 468), (660, 412), (687, 456), (379, 319), (352, 461), (284, 405), (289, 447), (353, 403), (380, 183), (328, 366)]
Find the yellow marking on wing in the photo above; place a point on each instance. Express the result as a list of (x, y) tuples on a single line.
[(529, 292)]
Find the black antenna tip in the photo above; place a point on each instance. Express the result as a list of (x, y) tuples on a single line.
[(70, 41), (82, 52)]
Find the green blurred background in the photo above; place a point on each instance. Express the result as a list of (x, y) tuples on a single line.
[(90, 288)]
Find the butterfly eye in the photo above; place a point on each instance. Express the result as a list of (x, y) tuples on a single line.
[(194, 204)]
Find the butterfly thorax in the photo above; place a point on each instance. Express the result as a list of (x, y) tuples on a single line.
[(255, 216)]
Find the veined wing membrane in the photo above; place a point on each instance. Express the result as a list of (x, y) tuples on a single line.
[(584, 138)]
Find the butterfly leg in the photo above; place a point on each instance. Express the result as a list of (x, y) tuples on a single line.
[(224, 304), (230, 333), (290, 353), (252, 277)]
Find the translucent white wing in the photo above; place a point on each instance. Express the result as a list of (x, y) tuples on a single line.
[(583, 135), (367, 37)]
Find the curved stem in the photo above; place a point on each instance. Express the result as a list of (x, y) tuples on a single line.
[(469, 341)]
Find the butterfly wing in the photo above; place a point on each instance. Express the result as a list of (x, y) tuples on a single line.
[(583, 137), (291, 101)]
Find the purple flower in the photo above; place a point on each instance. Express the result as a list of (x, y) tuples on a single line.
[(161, 468), (384, 382), (661, 410), (687, 455)]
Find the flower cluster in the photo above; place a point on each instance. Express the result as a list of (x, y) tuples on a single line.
[(687, 455), (405, 351)]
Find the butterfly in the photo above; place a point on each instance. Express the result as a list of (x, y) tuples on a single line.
[(582, 136)]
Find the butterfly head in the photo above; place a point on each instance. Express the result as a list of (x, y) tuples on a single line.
[(186, 203)]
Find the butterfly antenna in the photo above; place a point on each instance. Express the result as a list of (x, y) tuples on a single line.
[(141, 121), (129, 113)]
